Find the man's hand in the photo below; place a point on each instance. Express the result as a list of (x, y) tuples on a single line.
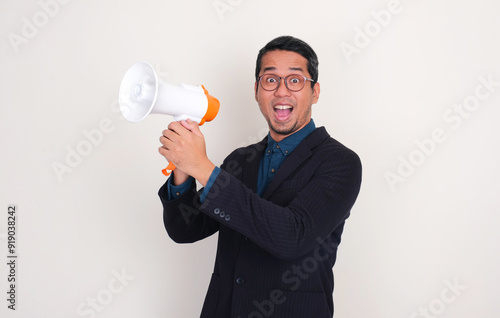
[(183, 144)]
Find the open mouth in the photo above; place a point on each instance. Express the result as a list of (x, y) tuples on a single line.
[(282, 112)]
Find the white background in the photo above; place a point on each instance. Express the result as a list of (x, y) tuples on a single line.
[(435, 225)]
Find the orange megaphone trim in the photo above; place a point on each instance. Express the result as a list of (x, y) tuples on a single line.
[(168, 170), (212, 109)]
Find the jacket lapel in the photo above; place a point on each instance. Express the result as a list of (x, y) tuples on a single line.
[(295, 159), (252, 163)]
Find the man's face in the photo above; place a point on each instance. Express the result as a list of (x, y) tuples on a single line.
[(285, 111)]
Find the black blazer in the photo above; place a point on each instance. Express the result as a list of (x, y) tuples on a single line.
[(275, 253)]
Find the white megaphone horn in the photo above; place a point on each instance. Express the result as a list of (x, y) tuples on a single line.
[(143, 93)]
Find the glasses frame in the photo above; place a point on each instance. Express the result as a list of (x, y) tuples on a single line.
[(286, 82)]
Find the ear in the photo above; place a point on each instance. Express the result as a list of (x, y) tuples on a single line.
[(316, 91), (256, 87)]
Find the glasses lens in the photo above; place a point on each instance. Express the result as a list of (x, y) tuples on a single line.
[(295, 82), (269, 82)]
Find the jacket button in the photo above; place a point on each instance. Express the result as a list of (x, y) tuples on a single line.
[(216, 210), (240, 280), (228, 217)]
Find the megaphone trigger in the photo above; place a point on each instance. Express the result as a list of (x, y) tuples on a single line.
[(168, 170)]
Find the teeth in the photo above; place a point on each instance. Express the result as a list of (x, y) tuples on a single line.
[(282, 107)]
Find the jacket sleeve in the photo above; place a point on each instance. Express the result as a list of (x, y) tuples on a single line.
[(182, 219), (314, 209)]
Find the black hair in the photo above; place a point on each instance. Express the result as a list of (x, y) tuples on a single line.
[(290, 43)]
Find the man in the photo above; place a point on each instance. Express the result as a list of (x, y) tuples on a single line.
[(279, 205)]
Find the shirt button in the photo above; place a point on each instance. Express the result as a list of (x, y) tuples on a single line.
[(177, 193), (286, 151), (272, 170), (240, 280), (269, 151), (277, 146)]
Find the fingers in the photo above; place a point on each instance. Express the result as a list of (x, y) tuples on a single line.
[(174, 128), (180, 128), (177, 137), (191, 126), (165, 138), (163, 151), (171, 134)]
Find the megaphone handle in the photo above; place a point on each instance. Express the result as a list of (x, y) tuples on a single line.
[(168, 170)]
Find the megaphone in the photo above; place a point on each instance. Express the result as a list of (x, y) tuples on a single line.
[(143, 93)]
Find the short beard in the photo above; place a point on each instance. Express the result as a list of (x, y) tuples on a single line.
[(283, 131)]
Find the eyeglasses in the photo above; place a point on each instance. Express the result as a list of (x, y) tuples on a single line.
[(294, 82)]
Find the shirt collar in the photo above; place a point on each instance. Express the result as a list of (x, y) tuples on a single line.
[(288, 144)]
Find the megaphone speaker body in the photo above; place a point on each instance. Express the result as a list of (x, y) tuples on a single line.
[(143, 93)]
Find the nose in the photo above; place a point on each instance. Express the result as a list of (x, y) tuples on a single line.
[(282, 90)]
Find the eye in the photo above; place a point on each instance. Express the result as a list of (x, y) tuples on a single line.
[(270, 79), (295, 80)]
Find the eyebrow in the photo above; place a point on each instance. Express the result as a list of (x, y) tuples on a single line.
[(272, 68)]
